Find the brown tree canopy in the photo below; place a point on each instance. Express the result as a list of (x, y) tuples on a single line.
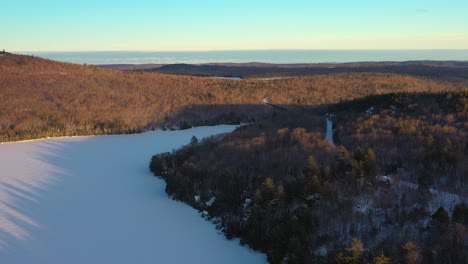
[(40, 97)]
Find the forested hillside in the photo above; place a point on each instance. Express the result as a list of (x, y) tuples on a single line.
[(42, 98), (394, 190), (394, 187), (429, 69)]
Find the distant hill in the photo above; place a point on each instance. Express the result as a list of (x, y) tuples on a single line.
[(129, 67), (40, 98), (433, 69)]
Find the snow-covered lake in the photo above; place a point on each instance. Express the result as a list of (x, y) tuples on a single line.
[(93, 200)]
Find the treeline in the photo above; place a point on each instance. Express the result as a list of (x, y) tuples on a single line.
[(448, 70), (43, 98), (284, 190)]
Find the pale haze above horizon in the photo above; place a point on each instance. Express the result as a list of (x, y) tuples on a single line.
[(189, 25)]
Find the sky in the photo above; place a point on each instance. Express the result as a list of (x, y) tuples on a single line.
[(204, 25)]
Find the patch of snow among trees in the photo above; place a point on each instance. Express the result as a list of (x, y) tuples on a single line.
[(329, 129), (210, 201), (94, 200)]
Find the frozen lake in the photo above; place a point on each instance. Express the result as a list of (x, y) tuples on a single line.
[(94, 200)]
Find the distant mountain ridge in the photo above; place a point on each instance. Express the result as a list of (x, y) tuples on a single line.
[(445, 69)]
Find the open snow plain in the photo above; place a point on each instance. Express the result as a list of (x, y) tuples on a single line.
[(94, 200)]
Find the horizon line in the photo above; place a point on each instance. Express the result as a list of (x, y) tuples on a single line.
[(235, 50), (258, 62)]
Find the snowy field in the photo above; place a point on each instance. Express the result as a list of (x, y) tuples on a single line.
[(93, 200)]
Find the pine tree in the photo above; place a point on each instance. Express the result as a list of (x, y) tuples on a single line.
[(354, 253), (448, 156), (357, 168), (441, 216), (194, 141), (342, 163), (312, 167), (412, 256), (459, 233), (280, 194), (258, 197), (359, 154), (268, 189), (448, 146), (370, 164), (157, 165), (382, 259), (460, 214), (315, 184), (429, 143)]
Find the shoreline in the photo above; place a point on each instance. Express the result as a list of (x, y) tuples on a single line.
[(119, 134), (84, 183)]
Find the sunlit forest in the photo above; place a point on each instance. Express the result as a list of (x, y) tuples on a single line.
[(42, 98)]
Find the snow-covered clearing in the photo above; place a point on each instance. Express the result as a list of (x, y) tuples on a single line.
[(438, 198), (93, 200), (329, 130)]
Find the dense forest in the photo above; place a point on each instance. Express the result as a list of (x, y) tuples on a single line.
[(429, 69), (43, 98), (394, 189), (391, 189)]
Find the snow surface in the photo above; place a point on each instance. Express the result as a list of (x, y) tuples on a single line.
[(210, 201), (93, 200), (329, 130)]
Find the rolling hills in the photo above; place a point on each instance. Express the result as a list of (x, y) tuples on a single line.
[(396, 182), (43, 98)]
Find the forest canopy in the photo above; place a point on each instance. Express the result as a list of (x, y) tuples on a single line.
[(41, 98), (284, 190)]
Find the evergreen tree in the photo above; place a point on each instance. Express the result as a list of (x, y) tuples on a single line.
[(381, 259), (440, 216), (357, 168), (412, 254), (268, 187), (459, 235), (370, 164), (315, 184), (447, 147), (157, 165), (258, 197), (194, 141), (429, 151), (460, 214), (448, 157), (312, 167), (440, 223), (354, 253), (357, 163), (359, 154), (429, 143), (342, 163), (280, 194)]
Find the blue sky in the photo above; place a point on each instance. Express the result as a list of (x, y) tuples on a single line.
[(176, 25)]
